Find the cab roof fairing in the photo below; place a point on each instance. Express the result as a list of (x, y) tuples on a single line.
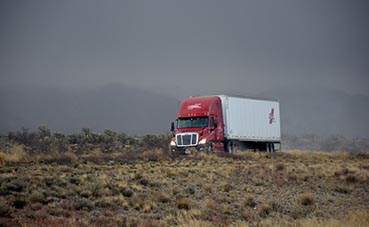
[(197, 106)]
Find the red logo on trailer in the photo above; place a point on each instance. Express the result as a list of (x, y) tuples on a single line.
[(271, 116)]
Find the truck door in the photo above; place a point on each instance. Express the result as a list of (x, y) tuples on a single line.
[(214, 128)]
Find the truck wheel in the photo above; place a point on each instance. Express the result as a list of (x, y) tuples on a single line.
[(210, 148), (270, 147), (263, 147), (230, 147), (170, 152)]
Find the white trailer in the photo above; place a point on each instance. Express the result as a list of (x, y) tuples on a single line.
[(251, 122)]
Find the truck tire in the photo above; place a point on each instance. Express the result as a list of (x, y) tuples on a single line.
[(270, 147), (170, 152), (263, 147), (210, 148), (230, 147)]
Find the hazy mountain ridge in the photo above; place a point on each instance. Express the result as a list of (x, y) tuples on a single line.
[(116, 107), (138, 111)]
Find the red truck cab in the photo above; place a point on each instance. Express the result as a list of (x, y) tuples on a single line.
[(199, 124)]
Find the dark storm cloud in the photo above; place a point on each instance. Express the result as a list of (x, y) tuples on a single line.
[(183, 48), (173, 42)]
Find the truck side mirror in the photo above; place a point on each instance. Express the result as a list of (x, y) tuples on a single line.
[(172, 127), (215, 123)]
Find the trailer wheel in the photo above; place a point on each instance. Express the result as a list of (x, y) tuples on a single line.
[(270, 147)]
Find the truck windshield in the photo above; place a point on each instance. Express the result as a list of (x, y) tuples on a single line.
[(194, 122)]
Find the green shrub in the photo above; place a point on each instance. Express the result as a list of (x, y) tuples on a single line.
[(37, 197)]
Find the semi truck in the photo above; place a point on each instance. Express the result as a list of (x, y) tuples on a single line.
[(226, 123)]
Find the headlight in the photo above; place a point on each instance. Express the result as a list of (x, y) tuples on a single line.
[(203, 141), (172, 143)]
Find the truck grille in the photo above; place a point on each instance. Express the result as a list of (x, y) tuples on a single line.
[(186, 139)]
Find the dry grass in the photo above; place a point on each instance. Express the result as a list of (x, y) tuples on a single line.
[(16, 155), (183, 203), (307, 199), (292, 188), (357, 219)]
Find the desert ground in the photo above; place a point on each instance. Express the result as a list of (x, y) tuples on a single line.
[(152, 188)]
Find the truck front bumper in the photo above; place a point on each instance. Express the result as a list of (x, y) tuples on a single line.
[(190, 149)]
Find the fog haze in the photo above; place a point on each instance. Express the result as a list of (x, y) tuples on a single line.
[(60, 59)]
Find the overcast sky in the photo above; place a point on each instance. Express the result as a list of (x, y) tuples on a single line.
[(186, 45)]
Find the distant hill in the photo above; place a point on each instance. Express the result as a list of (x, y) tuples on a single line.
[(117, 107), (139, 111)]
